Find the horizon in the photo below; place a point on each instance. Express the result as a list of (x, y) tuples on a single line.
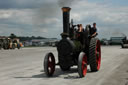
[(44, 18)]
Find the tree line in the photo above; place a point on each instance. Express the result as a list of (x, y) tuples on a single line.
[(25, 38)]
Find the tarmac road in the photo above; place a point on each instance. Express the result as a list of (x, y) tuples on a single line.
[(25, 67)]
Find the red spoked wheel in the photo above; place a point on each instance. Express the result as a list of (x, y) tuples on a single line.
[(82, 64), (49, 64), (98, 54), (95, 54)]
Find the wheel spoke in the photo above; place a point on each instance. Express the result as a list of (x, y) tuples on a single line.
[(84, 65), (49, 64)]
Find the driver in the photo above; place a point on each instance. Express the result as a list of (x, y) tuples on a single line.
[(93, 31)]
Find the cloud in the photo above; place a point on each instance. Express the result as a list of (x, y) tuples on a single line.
[(5, 14), (108, 18), (19, 4), (66, 3), (38, 21), (44, 17)]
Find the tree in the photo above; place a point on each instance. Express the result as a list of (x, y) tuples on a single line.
[(12, 36)]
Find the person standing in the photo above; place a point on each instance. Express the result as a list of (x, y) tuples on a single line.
[(80, 33)]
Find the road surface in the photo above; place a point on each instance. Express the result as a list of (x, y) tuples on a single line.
[(25, 67)]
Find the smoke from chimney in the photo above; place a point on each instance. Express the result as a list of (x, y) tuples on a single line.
[(65, 3)]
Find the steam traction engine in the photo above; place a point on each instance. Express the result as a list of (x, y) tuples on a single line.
[(74, 51)]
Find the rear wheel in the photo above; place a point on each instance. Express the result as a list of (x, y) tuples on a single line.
[(82, 64), (95, 54), (5, 46), (49, 64)]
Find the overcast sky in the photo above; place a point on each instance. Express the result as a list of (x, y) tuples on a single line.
[(44, 17)]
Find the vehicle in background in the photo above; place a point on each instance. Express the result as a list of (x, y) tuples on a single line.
[(44, 42), (1, 43), (53, 43), (16, 43), (124, 43), (116, 40), (104, 41), (8, 43)]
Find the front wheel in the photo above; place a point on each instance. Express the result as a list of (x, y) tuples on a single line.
[(82, 64), (49, 64)]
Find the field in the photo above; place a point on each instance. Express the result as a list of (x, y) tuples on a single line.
[(25, 67)]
